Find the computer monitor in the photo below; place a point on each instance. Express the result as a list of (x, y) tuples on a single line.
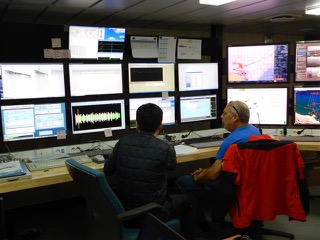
[(31, 80), (261, 63), (198, 108), (307, 65), (151, 77), (87, 42), (91, 79), (32, 121), (198, 76), (268, 106), (166, 104), (306, 106), (96, 116)]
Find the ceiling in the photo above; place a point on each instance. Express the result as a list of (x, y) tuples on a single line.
[(241, 16)]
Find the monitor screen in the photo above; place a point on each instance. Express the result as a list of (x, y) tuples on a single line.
[(151, 77), (306, 105), (198, 108), (166, 104), (267, 63), (307, 65), (30, 80), (198, 76), (268, 106), (91, 79), (87, 42), (31, 121), (96, 116)]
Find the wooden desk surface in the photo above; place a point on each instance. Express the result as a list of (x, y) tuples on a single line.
[(60, 175)]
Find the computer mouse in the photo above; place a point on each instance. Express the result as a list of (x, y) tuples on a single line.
[(98, 159)]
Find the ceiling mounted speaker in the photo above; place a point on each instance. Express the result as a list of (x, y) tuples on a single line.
[(282, 18)]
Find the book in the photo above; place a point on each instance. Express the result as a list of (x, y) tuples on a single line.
[(12, 170)]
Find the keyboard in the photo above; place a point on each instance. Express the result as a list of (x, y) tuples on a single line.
[(301, 138), (204, 142), (54, 163)]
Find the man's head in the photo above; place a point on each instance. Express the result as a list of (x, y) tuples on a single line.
[(149, 118), (235, 115)]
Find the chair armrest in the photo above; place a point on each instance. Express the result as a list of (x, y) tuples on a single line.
[(136, 212)]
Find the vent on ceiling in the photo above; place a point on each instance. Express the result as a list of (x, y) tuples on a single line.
[(282, 18)]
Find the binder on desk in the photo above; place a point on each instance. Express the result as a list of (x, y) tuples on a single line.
[(13, 170)]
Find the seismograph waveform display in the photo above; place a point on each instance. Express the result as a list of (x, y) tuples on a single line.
[(96, 117)]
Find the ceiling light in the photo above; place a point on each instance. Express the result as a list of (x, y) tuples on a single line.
[(314, 10), (215, 2)]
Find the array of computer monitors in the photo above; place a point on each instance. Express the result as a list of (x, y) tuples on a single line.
[(88, 42), (307, 64), (96, 116), (93, 79), (32, 121), (151, 77), (198, 76), (261, 63), (198, 108), (306, 106), (166, 104), (31, 80), (268, 106)]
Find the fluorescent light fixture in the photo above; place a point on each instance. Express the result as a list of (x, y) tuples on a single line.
[(215, 2), (313, 10)]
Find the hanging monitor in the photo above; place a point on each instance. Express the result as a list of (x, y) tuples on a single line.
[(32, 121), (198, 108), (166, 104), (31, 80), (87, 42), (268, 106), (93, 79), (198, 76), (151, 77), (306, 105), (261, 63), (307, 65), (96, 116)]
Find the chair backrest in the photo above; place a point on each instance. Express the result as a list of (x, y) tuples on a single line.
[(153, 228), (102, 203), (266, 174)]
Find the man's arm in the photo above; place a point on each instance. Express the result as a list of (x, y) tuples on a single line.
[(110, 165), (172, 158), (209, 174)]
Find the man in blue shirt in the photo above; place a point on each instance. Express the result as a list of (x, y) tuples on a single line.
[(202, 182)]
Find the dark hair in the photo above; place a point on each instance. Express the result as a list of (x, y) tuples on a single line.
[(149, 117)]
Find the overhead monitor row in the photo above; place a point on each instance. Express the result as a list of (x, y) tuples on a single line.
[(269, 63), (30, 80), (268, 106), (31, 121)]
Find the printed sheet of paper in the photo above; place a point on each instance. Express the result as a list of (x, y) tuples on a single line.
[(189, 48), (167, 49), (144, 47)]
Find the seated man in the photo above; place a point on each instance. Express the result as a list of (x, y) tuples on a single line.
[(140, 162), (202, 182)]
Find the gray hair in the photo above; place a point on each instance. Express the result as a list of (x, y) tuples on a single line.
[(240, 108)]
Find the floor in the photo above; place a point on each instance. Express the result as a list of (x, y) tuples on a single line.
[(66, 220)]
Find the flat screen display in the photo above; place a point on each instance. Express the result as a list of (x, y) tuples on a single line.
[(96, 116), (306, 105), (166, 104), (151, 77), (198, 108), (31, 80), (198, 76), (31, 121), (307, 65), (92, 79), (87, 42), (267, 63), (268, 106)]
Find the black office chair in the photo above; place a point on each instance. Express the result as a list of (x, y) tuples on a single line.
[(250, 170), (105, 211)]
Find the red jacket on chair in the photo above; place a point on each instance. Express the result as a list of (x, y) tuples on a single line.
[(267, 173)]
